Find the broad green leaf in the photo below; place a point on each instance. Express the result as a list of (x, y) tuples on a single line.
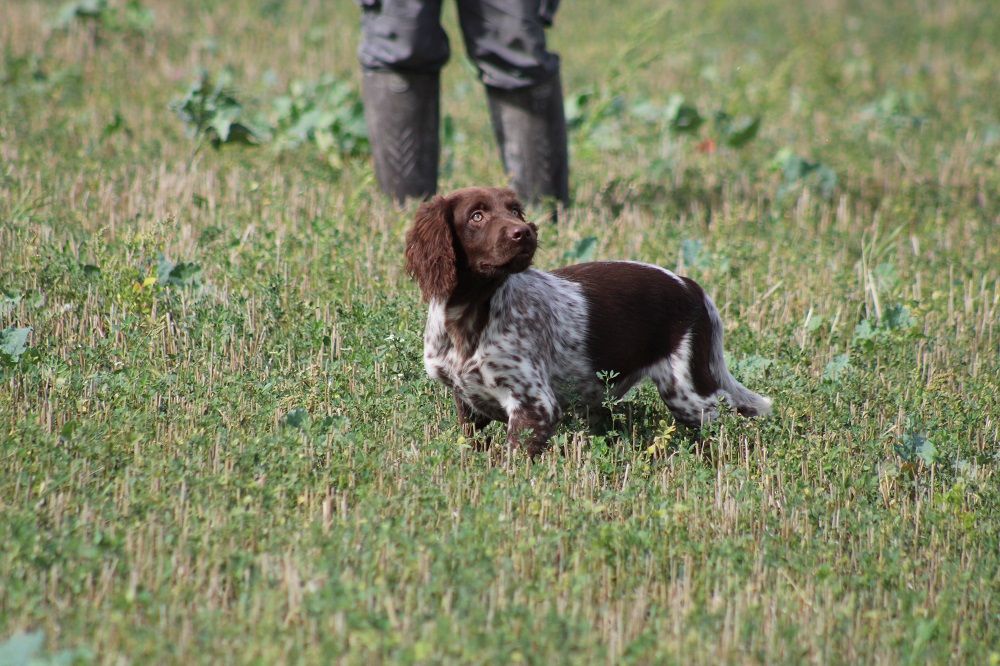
[(181, 274), (691, 251), (736, 132), (8, 303), (575, 107), (836, 368), (683, 117), (80, 9), (297, 418), (897, 317), (14, 342), (752, 367), (915, 446), (865, 330), (21, 648), (583, 250)]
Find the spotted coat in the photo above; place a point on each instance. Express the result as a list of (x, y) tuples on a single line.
[(520, 345)]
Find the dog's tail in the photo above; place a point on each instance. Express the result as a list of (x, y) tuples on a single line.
[(742, 399)]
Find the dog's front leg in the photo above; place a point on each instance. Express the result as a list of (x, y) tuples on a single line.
[(472, 422), (531, 425)]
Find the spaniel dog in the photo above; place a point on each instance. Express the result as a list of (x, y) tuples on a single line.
[(519, 345)]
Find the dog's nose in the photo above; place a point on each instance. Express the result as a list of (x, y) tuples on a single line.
[(519, 233)]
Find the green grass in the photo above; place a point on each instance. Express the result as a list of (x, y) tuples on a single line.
[(247, 463)]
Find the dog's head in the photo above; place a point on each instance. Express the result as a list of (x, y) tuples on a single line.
[(479, 231)]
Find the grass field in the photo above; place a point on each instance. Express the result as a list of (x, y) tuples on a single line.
[(217, 442)]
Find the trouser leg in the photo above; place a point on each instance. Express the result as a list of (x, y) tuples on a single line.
[(403, 48), (506, 41)]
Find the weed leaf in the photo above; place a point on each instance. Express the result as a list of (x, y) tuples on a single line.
[(797, 172), (916, 447), (575, 108), (13, 343), (836, 368), (77, 10), (683, 117), (328, 113), (21, 648), (753, 367), (582, 251), (736, 132), (297, 418), (181, 274), (8, 303), (897, 317), (691, 252), (212, 111), (865, 330)]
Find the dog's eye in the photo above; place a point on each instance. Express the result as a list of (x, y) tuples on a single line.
[(477, 216), (518, 212)]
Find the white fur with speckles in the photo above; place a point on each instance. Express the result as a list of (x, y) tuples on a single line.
[(532, 357), (672, 377), (532, 353)]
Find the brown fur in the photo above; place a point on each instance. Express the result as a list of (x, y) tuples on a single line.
[(443, 245), (430, 253)]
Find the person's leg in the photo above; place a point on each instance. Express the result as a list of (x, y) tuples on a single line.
[(403, 48), (506, 41)]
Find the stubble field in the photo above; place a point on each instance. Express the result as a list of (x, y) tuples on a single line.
[(217, 441)]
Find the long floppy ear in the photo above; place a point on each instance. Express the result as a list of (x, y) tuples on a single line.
[(430, 252)]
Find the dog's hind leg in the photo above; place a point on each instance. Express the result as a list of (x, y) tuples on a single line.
[(473, 422), (672, 377)]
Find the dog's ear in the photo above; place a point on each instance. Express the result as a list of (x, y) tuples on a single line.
[(430, 250)]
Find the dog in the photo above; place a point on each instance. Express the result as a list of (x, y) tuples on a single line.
[(519, 345)]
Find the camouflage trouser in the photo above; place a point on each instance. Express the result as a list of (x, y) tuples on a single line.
[(504, 38)]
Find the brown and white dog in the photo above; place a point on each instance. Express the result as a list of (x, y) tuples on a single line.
[(518, 345)]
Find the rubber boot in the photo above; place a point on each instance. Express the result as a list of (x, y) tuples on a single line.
[(403, 117), (530, 127)]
